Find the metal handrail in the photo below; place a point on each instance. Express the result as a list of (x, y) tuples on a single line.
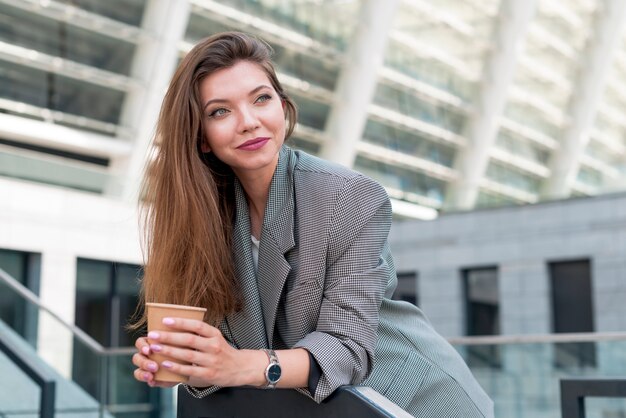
[(473, 340), (575, 390), (77, 332), (538, 338), (43, 378)]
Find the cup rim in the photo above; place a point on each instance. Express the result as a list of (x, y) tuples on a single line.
[(171, 306)]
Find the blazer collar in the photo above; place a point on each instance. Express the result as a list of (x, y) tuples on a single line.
[(246, 325), (261, 293), (279, 212)]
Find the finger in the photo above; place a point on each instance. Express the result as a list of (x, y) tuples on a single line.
[(143, 345), (182, 354), (181, 339), (192, 325), (189, 370), (143, 376), (144, 363)]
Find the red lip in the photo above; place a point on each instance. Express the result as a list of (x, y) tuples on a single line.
[(253, 144)]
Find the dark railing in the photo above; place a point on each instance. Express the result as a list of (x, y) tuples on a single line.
[(574, 392), (101, 357), (44, 379), (347, 401)]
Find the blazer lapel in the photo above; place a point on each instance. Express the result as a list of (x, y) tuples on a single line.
[(246, 325), (277, 238)]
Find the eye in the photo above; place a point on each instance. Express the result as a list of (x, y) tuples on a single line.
[(263, 98), (218, 112)]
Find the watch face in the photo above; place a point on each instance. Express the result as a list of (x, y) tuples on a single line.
[(273, 373)]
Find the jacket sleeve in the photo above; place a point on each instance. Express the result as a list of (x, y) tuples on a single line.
[(344, 341)]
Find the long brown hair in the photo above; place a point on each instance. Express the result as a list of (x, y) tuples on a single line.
[(189, 204)]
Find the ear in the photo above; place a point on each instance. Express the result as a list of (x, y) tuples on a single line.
[(204, 146)]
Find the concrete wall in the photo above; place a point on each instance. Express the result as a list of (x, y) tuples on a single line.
[(63, 225), (520, 241)]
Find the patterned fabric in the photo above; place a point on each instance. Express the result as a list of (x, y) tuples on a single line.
[(325, 275)]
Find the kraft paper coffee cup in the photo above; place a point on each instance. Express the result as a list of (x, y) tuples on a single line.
[(156, 313)]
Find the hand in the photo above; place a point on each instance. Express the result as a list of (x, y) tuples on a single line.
[(213, 361), (146, 367)]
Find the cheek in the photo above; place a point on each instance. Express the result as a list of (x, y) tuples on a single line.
[(278, 118), (216, 134)]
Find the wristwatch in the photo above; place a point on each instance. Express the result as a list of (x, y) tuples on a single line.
[(273, 370)]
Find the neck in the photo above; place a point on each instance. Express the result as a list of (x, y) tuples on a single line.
[(257, 188)]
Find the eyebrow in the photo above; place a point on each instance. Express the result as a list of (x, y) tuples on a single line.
[(253, 91)]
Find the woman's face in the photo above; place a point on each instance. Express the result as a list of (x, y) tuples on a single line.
[(244, 123)]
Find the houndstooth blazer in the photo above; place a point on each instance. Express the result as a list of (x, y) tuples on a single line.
[(325, 276)]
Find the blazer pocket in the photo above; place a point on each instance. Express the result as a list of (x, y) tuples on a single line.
[(408, 379)]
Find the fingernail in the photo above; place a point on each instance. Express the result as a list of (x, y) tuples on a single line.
[(154, 335), (146, 377), (167, 364), (168, 321), (152, 366), (155, 347), (145, 350)]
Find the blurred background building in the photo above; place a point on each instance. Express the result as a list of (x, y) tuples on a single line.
[(470, 109)]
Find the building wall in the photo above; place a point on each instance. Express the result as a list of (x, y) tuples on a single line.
[(62, 225), (520, 241)]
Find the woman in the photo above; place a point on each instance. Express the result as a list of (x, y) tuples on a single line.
[(288, 252)]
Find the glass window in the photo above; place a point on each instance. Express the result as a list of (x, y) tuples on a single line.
[(408, 142), (310, 113), (329, 23), (407, 287), (482, 313), (14, 310), (125, 11), (304, 145), (306, 67), (590, 177), (199, 27), (409, 104), (603, 153), (488, 200), (531, 117), (106, 297), (51, 151), (290, 61), (428, 70), (572, 311), (522, 147), (408, 181), (512, 177), (60, 39), (56, 92)]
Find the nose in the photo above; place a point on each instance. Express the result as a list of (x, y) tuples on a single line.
[(248, 120)]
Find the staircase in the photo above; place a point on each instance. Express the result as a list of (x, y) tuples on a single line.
[(20, 395), (101, 384)]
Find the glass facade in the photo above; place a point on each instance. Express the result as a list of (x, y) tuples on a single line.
[(71, 63)]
